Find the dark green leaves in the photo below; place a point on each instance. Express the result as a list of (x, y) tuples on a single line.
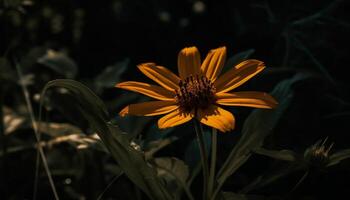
[(60, 63), (285, 155), (172, 168), (315, 158), (110, 75), (338, 157), (130, 160), (192, 154), (256, 127)]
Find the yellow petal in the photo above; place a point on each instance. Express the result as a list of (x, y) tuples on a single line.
[(249, 99), (173, 119), (150, 108), (238, 75), (213, 63), (147, 89), (161, 75), (216, 117), (188, 62)]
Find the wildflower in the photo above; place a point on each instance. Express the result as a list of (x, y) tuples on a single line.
[(317, 156), (198, 91)]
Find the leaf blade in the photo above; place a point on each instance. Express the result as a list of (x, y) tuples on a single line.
[(131, 161)]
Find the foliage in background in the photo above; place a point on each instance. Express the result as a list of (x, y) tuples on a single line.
[(304, 45)]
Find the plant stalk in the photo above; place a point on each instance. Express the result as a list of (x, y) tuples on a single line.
[(211, 183), (204, 156), (36, 132)]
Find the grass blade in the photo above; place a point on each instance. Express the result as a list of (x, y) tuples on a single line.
[(130, 160), (36, 131)]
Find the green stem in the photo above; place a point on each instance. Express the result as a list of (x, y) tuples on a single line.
[(109, 185), (36, 131), (204, 157), (299, 182), (212, 162), (217, 190)]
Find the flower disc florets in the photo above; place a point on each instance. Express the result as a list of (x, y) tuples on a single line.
[(195, 92)]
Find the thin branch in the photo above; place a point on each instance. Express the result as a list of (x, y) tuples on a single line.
[(108, 186), (318, 14), (36, 132)]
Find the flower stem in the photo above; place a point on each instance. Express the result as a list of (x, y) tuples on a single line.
[(204, 157), (212, 162)]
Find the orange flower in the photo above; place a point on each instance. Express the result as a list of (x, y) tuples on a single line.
[(197, 91)]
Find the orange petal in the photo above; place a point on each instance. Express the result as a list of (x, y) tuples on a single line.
[(173, 119), (249, 99), (188, 62), (238, 75), (213, 63), (161, 75), (216, 117), (147, 89), (150, 108)]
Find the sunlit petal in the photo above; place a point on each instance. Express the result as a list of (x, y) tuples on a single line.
[(238, 75), (213, 63), (216, 117), (188, 62), (173, 119), (147, 89), (249, 99), (150, 108), (161, 75)]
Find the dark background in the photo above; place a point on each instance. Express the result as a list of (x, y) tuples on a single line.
[(291, 37)]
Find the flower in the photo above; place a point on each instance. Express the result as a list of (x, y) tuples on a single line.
[(317, 156), (198, 91)]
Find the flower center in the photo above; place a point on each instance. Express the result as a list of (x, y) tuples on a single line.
[(195, 92), (318, 155)]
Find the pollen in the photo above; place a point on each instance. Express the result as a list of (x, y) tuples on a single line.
[(195, 92)]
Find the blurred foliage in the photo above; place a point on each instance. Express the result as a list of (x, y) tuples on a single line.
[(94, 155)]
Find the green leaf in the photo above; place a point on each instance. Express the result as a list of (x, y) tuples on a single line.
[(153, 133), (154, 146), (110, 75), (257, 126), (270, 177), (172, 169), (286, 155), (175, 172), (133, 125), (338, 157), (60, 63), (130, 160), (192, 153)]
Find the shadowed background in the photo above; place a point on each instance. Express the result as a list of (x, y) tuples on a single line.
[(100, 44)]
